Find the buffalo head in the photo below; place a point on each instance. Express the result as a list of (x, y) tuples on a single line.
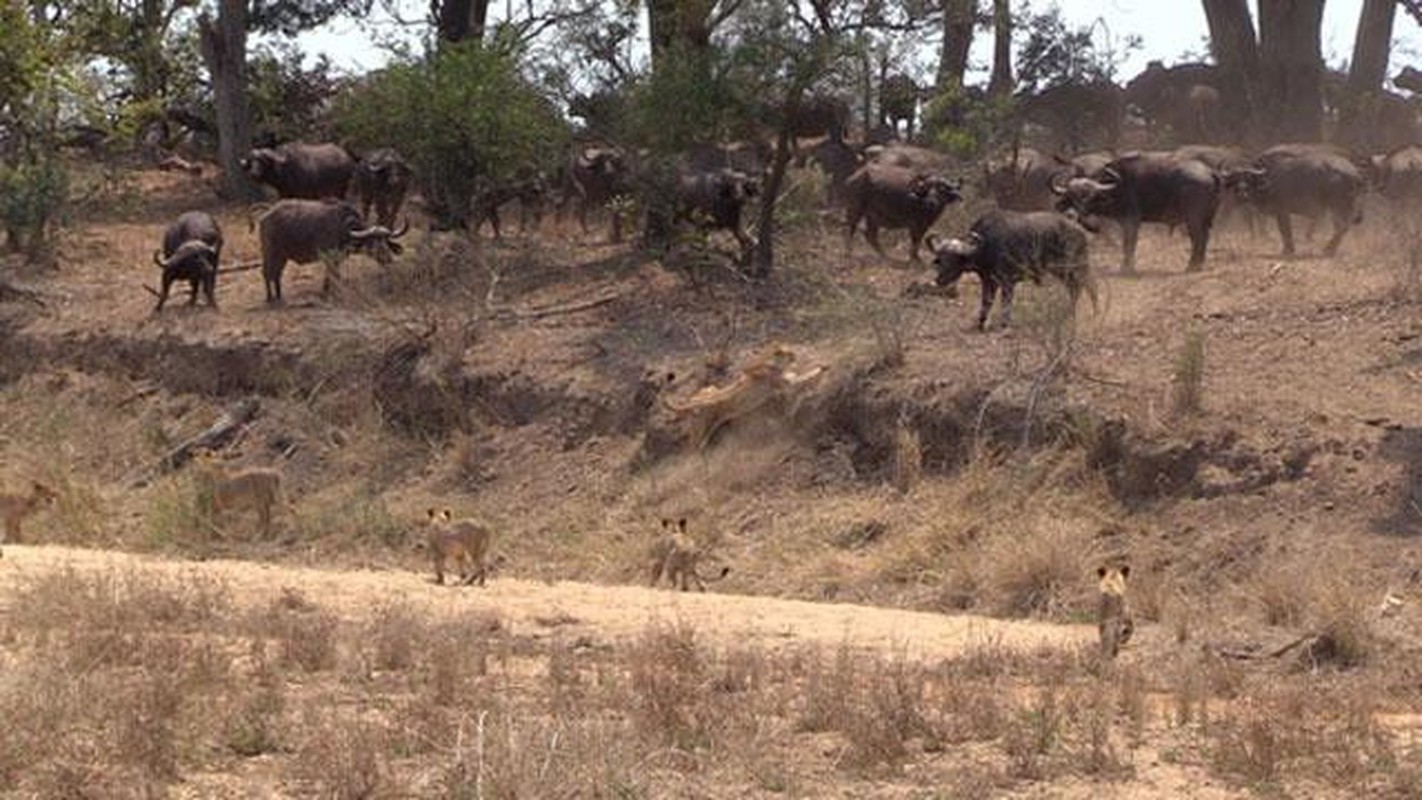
[(378, 241), (189, 251), (262, 163), (1246, 182), (935, 190), (1085, 198), (953, 257)]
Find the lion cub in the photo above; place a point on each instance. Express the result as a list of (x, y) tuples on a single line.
[(254, 489), (461, 540), (15, 507), (1114, 617), (675, 555)]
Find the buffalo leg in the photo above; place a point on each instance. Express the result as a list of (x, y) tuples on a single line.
[(985, 304), (871, 233), (1341, 224), (1199, 231), (193, 290), (1005, 315), (915, 236), (493, 216), (209, 288), (1286, 232), (1130, 234), (163, 293), (853, 225)]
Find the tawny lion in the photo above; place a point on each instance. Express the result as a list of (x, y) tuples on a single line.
[(254, 489), (1114, 623), (765, 381), (462, 541), (675, 555), (15, 507)]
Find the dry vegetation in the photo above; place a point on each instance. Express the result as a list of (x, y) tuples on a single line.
[(1246, 437)]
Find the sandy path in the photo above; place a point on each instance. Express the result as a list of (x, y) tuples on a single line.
[(571, 609)]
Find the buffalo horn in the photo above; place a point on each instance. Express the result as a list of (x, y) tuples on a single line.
[(1110, 175), (1056, 186), (932, 241), (400, 231), (158, 258)]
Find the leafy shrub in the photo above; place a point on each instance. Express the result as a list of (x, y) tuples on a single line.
[(465, 119)]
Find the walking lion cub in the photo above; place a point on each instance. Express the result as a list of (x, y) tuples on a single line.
[(675, 555), (254, 489), (15, 507), (462, 541)]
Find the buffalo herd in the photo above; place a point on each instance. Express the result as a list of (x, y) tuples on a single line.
[(1045, 202)]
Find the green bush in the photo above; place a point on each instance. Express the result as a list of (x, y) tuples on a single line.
[(31, 196), (465, 119)]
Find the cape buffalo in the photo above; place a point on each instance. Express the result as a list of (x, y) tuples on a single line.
[(382, 179), (530, 192), (1148, 187), (1398, 175), (297, 169), (302, 230), (1020, 180), (898, 100), (895, 197), (597, 175), (838, 161), (1003, 247), (192, 246), (1309, 180), (714, 201)]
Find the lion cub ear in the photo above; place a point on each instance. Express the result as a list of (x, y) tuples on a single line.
[(446, 515), (666, 523), (681, 523), (1101, 572), (431, 513), (1125, 570)]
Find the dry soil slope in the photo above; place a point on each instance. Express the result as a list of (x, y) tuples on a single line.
[(602, 612)]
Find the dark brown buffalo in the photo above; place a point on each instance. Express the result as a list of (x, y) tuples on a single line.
[(895, 197), (1020, 180), (750, 158), (598, 175), (192, 246), (531, 194), (1184, 98), (906, 155), (838, 161), (898, 102), (1079, 115), (297, 169), (820, 115), (715, 200), (1398, 175), (302, 230), (1004, 247), (382, 179), (1148, 187), (1309, 180)]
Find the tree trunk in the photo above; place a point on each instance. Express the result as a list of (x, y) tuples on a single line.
[(224, 48), (1236, 51), (1291, 68), (458, 20), (958, 19), (763, 254), (1362, 107), (1001, 81)]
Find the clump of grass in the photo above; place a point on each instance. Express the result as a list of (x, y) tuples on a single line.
[(907, 462), (1187, 380)]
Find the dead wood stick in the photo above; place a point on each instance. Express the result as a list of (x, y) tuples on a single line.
[(231, 421), (552, 311)]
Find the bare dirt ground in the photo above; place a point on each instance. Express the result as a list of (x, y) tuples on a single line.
[(942, 498)]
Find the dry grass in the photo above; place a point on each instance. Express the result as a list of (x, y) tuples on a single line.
[(179, 680)]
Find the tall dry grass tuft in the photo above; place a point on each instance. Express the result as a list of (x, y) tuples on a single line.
[(1187, 381), (906, 466)]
